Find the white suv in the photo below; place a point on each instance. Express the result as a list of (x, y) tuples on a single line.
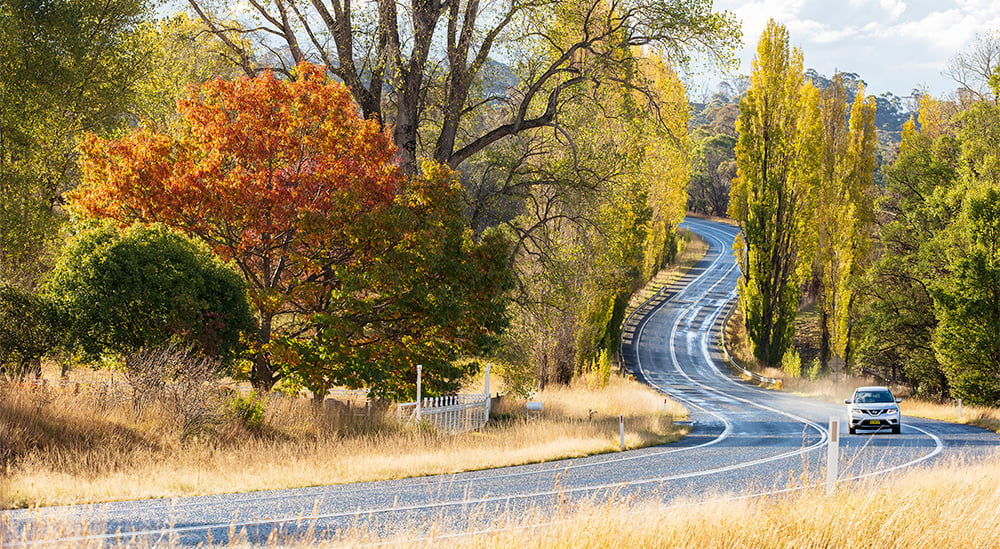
[(872, 408)]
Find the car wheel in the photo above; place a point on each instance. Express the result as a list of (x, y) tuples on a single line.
[(852, 430), (895, 429)]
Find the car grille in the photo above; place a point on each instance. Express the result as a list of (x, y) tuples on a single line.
[(873, 412)]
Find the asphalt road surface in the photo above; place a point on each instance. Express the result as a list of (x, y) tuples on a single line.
[(745, 441)]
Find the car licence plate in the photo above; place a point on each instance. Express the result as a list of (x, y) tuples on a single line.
[(876, 422)]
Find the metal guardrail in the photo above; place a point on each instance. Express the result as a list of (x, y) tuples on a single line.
[(622, 366), (776, 383)]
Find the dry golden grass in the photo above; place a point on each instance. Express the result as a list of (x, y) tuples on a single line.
[(726, 220), (828, 388), (64, 448), (980, 416), (950, 505)]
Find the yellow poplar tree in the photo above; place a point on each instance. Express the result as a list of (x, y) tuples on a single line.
[(844, 210), (773, 195)]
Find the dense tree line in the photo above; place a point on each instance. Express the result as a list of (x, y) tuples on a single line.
[(904, 267), (550, 188)]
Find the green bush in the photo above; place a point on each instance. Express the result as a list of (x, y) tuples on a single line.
[(975, 387), (814, 369), (31, 326), (248, 410), (144, 287), (791, 363)]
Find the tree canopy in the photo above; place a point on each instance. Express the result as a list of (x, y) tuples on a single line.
[(69, 67), (427, 69), (284, 179)]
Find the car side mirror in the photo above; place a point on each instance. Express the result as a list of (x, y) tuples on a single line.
[(898, 400), (847, 401)]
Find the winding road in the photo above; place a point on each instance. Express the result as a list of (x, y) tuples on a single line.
[(745, 441)]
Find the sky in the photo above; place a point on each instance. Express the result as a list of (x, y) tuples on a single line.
[(894, 45)]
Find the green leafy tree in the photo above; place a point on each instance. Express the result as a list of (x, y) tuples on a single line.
[(31, 326), (967, 302), (715, 169), (897, 322), (773, 197), (180, 52), (592, 211), (433, 297), (144, 286), (69, 67)]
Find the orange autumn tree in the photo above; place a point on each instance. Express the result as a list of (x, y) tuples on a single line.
[(278, 177)]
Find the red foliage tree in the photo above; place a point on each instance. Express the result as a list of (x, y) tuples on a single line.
[(272, 175)]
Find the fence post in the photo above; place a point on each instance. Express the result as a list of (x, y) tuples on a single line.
[(420, 373), (486, 391), (832, 455)]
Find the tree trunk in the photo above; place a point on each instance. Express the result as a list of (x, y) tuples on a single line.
[(824, 335), (262, 374)]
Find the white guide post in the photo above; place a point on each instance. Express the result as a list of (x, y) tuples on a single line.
[(832, 455), (621, 429), (960, 409), (420, 373)]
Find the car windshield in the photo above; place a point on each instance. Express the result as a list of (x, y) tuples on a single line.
[(872, 397)]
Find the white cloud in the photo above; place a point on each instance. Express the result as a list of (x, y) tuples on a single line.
[(893, 44), (945, 30), (894, 8), (819, 33)]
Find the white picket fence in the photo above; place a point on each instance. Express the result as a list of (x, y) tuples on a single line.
[(451, 414)]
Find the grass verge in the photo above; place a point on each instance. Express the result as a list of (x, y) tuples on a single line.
[(948, 505), (952, 506), (65, 447)]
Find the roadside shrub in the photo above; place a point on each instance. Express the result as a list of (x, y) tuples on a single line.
[(814, 370), (182, 381), (975, 387), (247, 410), (145, 286), (791, 363), (30, 327)]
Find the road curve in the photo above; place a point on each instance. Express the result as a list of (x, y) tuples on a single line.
[(745, 441)]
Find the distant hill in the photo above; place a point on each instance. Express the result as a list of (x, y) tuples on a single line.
[(712, 127), (892, 111)]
